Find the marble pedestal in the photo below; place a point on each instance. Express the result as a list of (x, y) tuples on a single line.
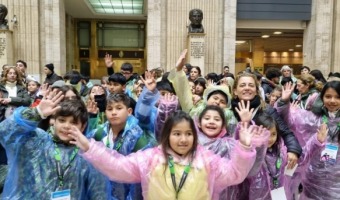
[(196, 50), (6, 48)]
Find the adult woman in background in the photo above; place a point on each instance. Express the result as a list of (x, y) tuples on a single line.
[(308, 89)]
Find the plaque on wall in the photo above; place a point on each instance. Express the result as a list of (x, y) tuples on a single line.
[(196, 50)]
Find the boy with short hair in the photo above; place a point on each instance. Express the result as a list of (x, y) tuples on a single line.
[(122, 133), (42, 166)]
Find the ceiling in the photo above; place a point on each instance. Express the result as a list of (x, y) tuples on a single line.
[(107, 9), (286, 41)]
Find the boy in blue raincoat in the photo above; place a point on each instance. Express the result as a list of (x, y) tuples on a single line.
[(44, 166)]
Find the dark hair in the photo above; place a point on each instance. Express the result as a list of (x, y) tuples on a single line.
[(188, 66), (258, 75), (200, 81), (175, 118), (23, 62), (318, 75), (272, 73), (165, 85), (212, 76), (98, 85), (64, 89), (75, 108), (332, 84), (118, 78), (73, 76), (214, 108), (218, 92), (127, 67), (334, 74), (226, 67), (285, 80), (268, 122), (191, 12), (305, 67), (119, 97)]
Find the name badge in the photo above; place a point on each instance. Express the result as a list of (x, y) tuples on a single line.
[(329, 153), (61, 195), (278, 194)]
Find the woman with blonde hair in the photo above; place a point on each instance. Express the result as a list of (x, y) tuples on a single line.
[(308, 89)]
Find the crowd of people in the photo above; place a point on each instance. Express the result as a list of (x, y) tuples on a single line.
[(170, 135)]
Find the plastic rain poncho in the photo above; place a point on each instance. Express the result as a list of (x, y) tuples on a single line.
[(321, 180), (133, 139), (32, 166), (209, 173)]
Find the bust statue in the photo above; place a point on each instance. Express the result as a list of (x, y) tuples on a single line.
[(196, 17), (3, 14)]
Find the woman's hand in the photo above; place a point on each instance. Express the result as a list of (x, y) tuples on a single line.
[(244, 111), (287, 91), (79, 139), (246, 134), (181, 60), (322, 133)]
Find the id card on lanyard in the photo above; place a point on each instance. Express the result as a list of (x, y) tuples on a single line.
[(329, 154)]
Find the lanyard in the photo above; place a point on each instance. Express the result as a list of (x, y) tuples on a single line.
[(333, 133), (275, 177), (117, 145), (57, 157), (173, 177)]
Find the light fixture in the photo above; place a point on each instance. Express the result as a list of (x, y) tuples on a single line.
[(14, 20), (290, 49), (265, 36), (277, 33), (298, 45), (240, 42)]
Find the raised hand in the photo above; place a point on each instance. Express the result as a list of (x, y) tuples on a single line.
[(48, 106), (108, 60), (322, 133), (92, 107), (292, 160), (149, 81), (287, 91), (295, 104), (169, 97), (79, 139), (246, 134), (210, 83), (181, 60), (244, 111)]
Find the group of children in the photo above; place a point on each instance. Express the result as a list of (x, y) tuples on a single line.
[(164, 142)]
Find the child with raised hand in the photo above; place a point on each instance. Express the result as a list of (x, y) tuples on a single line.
[(122, 133), (43, 166), (177, 169), (271, 175)]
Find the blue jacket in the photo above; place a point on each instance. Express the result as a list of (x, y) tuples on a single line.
[(131, 138), (32, 166)]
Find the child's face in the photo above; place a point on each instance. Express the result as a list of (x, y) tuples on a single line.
[(117, 113), (181, 138), (139, 91), (273, 136), (32, 87), (192, 86), (70, 95), (218, 100), (199, 89), (96, 90), (164, 92), (331, 100), (115, 87), (274, 96), (137, 84), (211, 123), (63, 125)]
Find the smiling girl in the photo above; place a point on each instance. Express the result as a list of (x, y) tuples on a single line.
[(177, 169)]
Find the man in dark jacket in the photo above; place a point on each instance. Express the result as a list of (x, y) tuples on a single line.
[(269, 82), (51, 77)]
